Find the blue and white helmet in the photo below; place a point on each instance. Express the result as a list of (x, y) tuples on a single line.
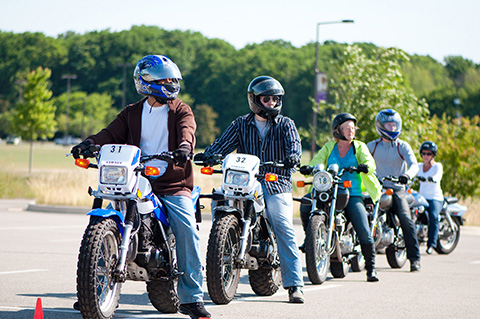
[(153, 68), (388, 124)]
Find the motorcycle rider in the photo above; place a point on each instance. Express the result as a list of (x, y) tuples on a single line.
[(430, 174), (271, 137), (345, 151), (395, 157), (160, 122)]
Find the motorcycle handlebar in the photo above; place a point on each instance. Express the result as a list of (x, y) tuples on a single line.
[(165, 156), (428, 179)]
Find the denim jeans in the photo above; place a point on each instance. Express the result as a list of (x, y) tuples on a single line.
[(181, 216), (279, 208), (357, 214), (433, 210), (401, 208)]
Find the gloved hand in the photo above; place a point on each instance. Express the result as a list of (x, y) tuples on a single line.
[(362, 168), (430, 179), (200, 157), (403, 179), (306, 170), (421, 179), (181, 155), (291, 161), (77, 150)]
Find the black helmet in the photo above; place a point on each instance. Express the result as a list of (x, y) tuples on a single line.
[(262, 86), (429, 146), (339, 120), (152, 68), (385, 116)]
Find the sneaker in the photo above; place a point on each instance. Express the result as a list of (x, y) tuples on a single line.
[(415, 265), (295, 295), (430, 250), (194, 310)]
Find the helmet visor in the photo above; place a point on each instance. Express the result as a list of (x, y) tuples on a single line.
[(392, 126), (160, 72)]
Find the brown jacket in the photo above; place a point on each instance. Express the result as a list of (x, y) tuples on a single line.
[(126, 129)]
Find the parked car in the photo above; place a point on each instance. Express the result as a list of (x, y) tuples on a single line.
[(68, 140), (15, 140)]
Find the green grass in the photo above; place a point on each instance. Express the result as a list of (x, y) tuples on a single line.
[(47, 156)]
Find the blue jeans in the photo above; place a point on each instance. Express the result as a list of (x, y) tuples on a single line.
[(181, 216), (357, 214), (434, 208), (279, 208), (401, 208)]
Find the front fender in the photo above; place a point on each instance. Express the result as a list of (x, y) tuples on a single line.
[(109, 213), (224, 210)]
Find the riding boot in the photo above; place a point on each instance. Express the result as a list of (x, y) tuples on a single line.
[(304, 217), (368, 251)]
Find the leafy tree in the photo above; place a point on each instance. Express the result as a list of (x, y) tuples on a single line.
[(88, 114), (457, 141), (367, 85), (34, 117), (205, 117)]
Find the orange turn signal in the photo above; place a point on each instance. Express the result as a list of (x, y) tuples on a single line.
[(389, 191), (82, 162), (409, 190), (269, 177), (152, 171), (300, 184), (206, 170), (347, 184)]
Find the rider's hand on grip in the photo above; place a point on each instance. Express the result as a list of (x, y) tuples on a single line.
[(403, 179), (306, 170), (181, 154), (363, 168), (200, 157), (430, 179), (79, 149), (422, 179), (291, 162)]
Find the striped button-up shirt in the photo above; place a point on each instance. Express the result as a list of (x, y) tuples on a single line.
[(281, 141)]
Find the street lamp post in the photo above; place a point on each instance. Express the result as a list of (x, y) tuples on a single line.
[(317, 75), (68, 77)]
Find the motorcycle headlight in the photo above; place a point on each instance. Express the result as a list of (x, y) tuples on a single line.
[(113, 175), (322, 181), (237, 178)]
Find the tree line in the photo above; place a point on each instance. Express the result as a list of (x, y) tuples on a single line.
[(363, 79)]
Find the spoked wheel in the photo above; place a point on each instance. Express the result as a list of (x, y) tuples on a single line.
[(222, 272), (265, 282), (397, 252), (316, 255), (447, 237), (97, 293)]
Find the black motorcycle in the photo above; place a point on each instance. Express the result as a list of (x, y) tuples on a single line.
[(330, 239), (385, 226)]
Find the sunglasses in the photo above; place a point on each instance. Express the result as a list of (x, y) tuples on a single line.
[(427, 153), (274, 98)]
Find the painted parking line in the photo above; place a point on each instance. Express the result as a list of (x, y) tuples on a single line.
[(21, 271), (475, 262)]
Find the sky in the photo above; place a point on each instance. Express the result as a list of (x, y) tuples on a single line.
[(437, 28)]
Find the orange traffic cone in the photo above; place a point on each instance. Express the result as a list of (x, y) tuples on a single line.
[(38, 310)]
